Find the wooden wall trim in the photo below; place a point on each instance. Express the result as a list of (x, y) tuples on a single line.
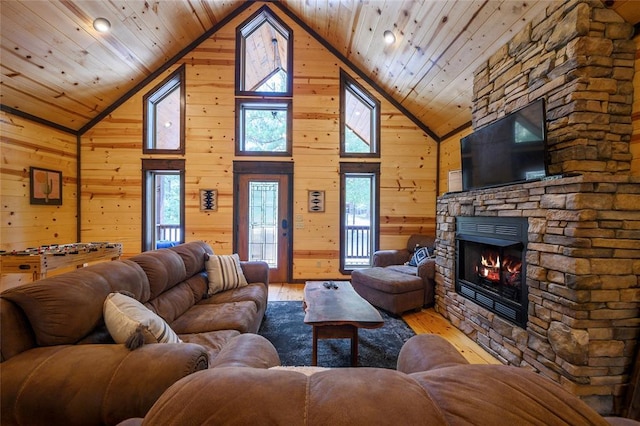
[(459, 129), (38, 120), (263, 167)]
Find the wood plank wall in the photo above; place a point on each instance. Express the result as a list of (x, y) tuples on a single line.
[(25, 143), (635, 137), (112, 151)]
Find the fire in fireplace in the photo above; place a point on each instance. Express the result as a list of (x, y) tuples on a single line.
[(489, 264)]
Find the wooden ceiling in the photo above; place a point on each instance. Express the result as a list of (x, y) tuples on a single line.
[(57, 68)]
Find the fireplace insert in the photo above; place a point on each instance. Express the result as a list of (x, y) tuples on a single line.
[(490, 264)]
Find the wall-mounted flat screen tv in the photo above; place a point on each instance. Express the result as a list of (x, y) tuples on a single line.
[(510, 150)]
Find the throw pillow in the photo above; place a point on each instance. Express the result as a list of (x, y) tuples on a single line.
[(224, 273), (125, 317), (420, 255)]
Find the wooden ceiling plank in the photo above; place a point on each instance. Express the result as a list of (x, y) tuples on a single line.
[(411, 52), (362, 36), (400, 22), (340, 34), (65, 41), (76, 67), (435, 48), (459, 65), (46, 110)]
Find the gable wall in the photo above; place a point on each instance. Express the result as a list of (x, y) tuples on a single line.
[(112, 152)]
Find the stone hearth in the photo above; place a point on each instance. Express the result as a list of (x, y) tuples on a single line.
[(583, 249)]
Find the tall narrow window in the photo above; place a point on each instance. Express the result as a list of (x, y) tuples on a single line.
[(263, 86), (162, 203), (164, 115), (359, 120), (359, 204)]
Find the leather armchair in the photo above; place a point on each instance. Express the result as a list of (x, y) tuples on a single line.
[(397, 260)]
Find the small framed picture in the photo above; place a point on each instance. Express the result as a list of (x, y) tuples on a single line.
[(316, 201), (45, 187), (208, 200)]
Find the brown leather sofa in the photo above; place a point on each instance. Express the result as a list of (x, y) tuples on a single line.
[(395, 286), (433, 385), (61, 366)]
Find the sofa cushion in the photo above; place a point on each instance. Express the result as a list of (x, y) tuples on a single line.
[(212, 341), (192, 255), (174, 302), (404, 269), (205, 317), (123, 315), (164, 268), (64, 308), (344, 396), (386, 280), (255, 292), (224, 272)]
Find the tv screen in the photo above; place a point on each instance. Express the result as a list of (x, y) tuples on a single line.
[(509, 150)]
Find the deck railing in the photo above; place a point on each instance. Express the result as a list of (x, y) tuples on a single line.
[(357, 246), (358, 250), (166, 232)]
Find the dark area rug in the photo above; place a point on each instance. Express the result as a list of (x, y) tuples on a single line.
[(379, 347)]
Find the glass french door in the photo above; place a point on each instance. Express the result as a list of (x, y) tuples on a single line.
[(263, 231)]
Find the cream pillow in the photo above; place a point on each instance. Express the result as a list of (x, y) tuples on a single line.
[(224, 273), (124, 315)]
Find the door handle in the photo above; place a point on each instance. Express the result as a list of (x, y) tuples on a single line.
[(285, 224)]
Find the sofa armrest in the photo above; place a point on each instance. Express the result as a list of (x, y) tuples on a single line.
[(247, 350), (427, 270), (91, 384), (255, 271), (427, 352), (383, 258)]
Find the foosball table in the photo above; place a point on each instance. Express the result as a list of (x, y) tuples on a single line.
[(40, 260)]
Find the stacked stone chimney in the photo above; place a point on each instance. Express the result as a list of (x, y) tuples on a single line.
[(580, 59), (583, 254)]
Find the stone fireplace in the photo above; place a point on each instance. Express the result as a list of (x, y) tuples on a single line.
[(581, 254)]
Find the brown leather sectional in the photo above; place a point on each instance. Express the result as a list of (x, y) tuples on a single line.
[(433, 385), (60, 365)]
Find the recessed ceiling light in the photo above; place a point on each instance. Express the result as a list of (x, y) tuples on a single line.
[(101, 25), (389, 37)]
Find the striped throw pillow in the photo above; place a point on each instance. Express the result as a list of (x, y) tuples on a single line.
[(224, 273), (123, 315)]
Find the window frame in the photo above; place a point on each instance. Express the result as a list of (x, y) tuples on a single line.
[(372, 169), (264, 14), (149, 101), (347, 83), (240, 129), (151, 167)]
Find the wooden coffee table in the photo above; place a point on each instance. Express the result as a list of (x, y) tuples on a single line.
[(337, 312)]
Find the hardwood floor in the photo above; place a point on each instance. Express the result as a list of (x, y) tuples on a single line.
[(425, 321)]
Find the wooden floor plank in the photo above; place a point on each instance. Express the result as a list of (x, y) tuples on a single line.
[(424, 321)]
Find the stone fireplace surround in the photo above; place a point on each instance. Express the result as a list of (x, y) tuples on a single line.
[(583, 250)]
